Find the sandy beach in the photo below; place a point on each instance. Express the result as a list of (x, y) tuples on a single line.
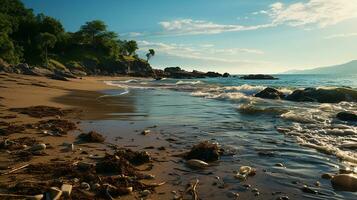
[(81, 95)]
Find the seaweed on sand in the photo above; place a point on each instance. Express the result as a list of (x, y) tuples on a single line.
[(41, 111), (92, 136)]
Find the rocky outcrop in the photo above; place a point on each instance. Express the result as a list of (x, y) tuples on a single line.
[(258, 77), (225, 75), (270, 93), (178, 73), (321, 95), (347, 116)]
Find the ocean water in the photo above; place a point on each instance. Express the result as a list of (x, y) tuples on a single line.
[(305, 137)]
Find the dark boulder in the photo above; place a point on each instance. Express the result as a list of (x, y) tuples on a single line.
[(225, 75), (347, 116), (321, 95), (270, 93), (213, 74), (258, 77), (205, 151), (58, 77)]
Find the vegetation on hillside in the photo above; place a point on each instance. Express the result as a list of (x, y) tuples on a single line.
[(41, 40)]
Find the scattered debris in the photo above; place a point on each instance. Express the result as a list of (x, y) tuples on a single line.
[(134, 157), (56, 126), (244, 172), (16, 169), (11, 128), (18, 143), (307, 189), (192, 188), (92, 136), (41, 111), (205, 151)]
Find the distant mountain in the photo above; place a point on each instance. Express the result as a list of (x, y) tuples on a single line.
[(347, 68)]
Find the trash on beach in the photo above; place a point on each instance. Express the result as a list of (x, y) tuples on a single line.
[(205, 151), (56, 126), (134, 157), (244, 172), (145, 132), (92, 136)]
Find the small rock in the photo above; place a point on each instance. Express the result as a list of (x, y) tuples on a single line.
[(38, 147), (85, 165), (255, 190), (145, 132), (317, 184), (347, 116), (345, 182), (283, 198), (327, 176), (307, 189), (145, 193), (195, 163), (37, 197), (256, 193), (55, 193), (279, 164), (66, 190)]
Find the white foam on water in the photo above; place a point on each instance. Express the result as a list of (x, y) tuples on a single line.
[(188, 82)]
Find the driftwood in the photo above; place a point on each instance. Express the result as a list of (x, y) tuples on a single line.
[(193, 189), (16, 169), (34, 197)]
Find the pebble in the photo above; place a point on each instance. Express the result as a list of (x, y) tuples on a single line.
[(66, 190), (145, 132), (85, 165), (197, 163), (317, 184), (283, 198), (38, 147), (85, 186), (145, 193), (307, 189), (345, 182)]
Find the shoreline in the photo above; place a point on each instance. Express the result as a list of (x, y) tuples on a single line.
[(164, 143)]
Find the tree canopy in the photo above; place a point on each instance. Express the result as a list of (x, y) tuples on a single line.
[(26, 37)]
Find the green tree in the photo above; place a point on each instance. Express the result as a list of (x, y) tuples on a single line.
[(150, 54), (131, 47), (47, 40), (92, 29)]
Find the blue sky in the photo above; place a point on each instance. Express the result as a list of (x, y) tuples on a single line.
[(237, 36)]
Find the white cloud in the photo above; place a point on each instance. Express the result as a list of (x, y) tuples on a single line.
[(342, 35), (203, 51), (313, 12), (194, 27), (135, 34)]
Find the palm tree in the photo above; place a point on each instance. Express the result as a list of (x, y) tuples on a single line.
[(150, 54)]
